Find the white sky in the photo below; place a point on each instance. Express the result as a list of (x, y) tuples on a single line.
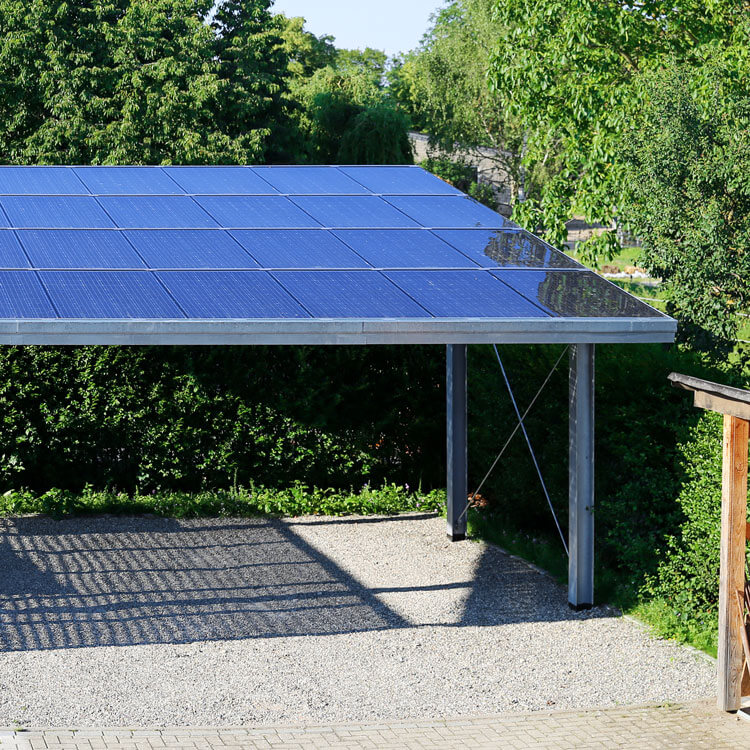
[(391, 25)]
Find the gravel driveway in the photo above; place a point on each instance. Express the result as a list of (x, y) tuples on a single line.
[(141, 621)]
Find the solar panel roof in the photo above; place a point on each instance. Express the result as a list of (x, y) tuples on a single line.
[(292, 254)]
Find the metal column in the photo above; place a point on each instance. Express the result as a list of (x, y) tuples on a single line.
[(581, 483), (457, 481)]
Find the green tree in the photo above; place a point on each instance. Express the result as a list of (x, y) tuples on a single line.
[(372, 62), (139, 82), (305, 51)]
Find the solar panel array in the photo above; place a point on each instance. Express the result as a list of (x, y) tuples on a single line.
[(169, 243)]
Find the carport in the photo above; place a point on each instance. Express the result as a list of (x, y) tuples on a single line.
[(309, 255)]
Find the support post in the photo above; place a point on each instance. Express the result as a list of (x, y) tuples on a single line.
[(581, 477), (732, 566), (457, 481)]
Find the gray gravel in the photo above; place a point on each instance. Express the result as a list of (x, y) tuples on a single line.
[(149, 622)]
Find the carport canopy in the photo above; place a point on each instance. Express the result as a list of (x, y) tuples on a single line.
[(236, 255)]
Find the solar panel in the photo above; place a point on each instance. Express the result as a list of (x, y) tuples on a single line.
[(219, 181), (506, 247), (231, 294), (576, 294), (298, 248), (156, 211), (40, 181), (310, 180), (189, 248), (440, 211), (403, 248), (127, 181), (11, 252), (349, 294), (108, 294), (78, 212), (399, 180), (22, 296), (78, 248), (464, 294), (247, 212), (353, 211)]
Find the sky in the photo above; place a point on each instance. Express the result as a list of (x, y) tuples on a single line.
[(391, 25)]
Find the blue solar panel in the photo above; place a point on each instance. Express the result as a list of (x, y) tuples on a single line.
[(78, 248), (11, 252), (247, 212), (109, 294), (309, 180), (189, 248), (220, 180), (156, 211), (352, 211), (298, 248), (464, 294), (349, 294), (441, 211), (40, 181), (403, 248), (127, 181), (22, 296), (506, 247), (76, 212), (230, 294), (399, 180)]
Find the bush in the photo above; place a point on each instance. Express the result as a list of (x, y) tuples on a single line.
[(462, 176)]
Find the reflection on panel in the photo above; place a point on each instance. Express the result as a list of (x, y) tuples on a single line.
[(297, 248), (400, 180), (230, 294), (22, 296), (442, 211), (189, 248), (464, 294), (127, 181), (309, 180), (349, 294), (514, 247), (576, 294), (341, 211), (219, 180), (403, 248), (108, 294), (78, 248)]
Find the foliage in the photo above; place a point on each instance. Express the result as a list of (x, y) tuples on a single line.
[(687, 166), (462, 176), (443, 86), (295, 500), (139, 82), (571, 72), (377, 135), (372, 62), (305, 51)]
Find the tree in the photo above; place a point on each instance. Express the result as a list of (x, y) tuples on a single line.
[(571, 71), (305, 51), (687, 195), (139, 82)]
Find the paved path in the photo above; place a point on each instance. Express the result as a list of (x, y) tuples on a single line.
[(693, 725)]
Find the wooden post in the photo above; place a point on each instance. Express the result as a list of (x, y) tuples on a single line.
[(732, 572)]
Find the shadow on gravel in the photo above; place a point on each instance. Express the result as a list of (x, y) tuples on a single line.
[(127, 580)]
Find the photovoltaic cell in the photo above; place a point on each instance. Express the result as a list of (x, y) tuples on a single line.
[(108, 294), (219, 180), (576, 294), (349, 294), (230, 294), (189, 248), (309, 180), (11, 252), (403, 248), (298, 248), (400, 180), (506, 247), (247, 211), (464, 294), (352, 211), (127, 181), (156, 211), (22, 296), (441, 211), (78, 248), (72, 212), (40, 181)]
